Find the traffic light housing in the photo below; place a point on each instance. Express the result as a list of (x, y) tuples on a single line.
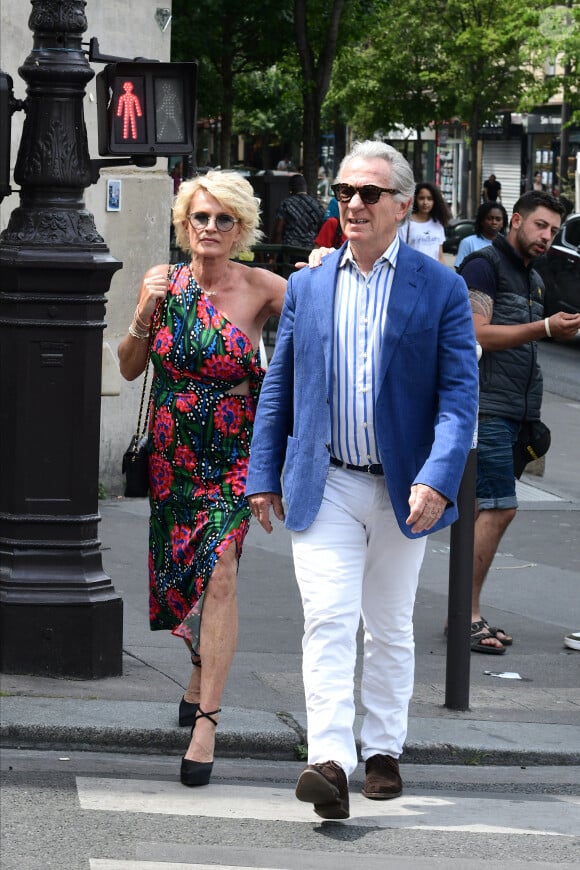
[(5, 128), (146, 108)]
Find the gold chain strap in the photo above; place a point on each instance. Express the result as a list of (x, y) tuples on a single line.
[(140, 433)]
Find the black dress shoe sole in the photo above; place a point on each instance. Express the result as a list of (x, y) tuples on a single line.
[(313, 788)]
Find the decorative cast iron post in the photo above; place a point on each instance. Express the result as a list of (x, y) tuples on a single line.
[(59, 612)]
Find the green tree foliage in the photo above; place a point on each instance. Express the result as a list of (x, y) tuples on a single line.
[(322, 27), (316, 27), (266, 66), (229, 40), (557, 45), (254, 58), (393, 78), (488, 61), (267, 107), (435, 60)]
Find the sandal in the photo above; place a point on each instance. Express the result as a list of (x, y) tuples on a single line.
[(505, 639), (480, 632), (198, 772)]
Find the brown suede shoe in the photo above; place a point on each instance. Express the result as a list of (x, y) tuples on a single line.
[(325, 786), (382, 781)]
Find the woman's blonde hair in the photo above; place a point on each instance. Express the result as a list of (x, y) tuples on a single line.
[(237, 197)]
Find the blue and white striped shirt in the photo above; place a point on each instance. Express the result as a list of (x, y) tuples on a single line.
[(360, 315)]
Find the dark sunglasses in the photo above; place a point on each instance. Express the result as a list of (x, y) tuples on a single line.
[(369, 193), (224, 222)]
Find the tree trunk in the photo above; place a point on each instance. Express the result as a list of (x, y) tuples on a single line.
[(339, 144), (225, 143), (475, 180), (563, 179), (417, 155), (463, 208), (225, 148), (310, 137), (315, 82)]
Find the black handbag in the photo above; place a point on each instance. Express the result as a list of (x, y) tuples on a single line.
[(136, 468), (534, 440), (135, 465)]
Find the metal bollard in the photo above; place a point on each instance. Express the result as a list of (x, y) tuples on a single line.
[(460, 582)]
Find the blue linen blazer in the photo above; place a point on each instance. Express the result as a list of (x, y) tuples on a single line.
[(426, 406)]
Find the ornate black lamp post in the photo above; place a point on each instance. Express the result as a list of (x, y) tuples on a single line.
[(59, 612)]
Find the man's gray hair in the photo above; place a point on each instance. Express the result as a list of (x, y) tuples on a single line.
[(401, 173)]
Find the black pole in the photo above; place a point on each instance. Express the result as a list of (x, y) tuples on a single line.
[(59, 613), (460, 581)]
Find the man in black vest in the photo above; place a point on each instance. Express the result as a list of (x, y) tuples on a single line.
[(507, 303)]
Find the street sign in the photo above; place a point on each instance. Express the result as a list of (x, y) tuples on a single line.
[(146, 108)]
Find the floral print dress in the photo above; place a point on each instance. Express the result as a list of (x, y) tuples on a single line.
[(199, 441)]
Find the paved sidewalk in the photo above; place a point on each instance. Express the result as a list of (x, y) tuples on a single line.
[(532, 592)]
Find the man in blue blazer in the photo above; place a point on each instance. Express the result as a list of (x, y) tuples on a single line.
[(369, 406)]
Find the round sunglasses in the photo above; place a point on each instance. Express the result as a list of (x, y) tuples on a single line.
[(199, 220)]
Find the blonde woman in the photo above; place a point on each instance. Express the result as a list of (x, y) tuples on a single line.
[(205, 318)]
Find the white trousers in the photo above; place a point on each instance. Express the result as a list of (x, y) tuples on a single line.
[(352, 561)]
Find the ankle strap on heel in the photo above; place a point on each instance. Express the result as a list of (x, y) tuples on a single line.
[(202, 715)]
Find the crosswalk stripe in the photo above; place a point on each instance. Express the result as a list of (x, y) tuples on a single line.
[(556, 816), (108, 864)]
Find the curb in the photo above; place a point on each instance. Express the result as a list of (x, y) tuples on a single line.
[(258, 745), (118, 726)]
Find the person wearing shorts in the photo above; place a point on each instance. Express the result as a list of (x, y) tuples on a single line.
[(506, 296), (496, 483)]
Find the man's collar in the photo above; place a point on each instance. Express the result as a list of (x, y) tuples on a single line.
[(389, 255)]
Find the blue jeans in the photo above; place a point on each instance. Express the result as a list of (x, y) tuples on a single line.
[(496, 482)]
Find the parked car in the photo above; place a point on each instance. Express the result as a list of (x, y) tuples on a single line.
[(246, 171), (457, 229), (560, 269)]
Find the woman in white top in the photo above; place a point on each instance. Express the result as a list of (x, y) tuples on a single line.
[(425, 229), (491, 219)]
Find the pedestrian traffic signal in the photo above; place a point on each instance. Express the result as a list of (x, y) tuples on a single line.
[(5, 128), (146, 108)]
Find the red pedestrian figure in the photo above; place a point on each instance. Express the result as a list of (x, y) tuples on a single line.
[(130, 108)]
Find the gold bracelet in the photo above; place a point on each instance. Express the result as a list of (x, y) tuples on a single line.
[(139, 321), (136, 333)]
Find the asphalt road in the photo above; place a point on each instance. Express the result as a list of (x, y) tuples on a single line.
[(94, 811), (103, 812), (560, 362)]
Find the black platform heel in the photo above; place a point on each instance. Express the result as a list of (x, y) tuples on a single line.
[(198, 772), (187, 711)]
